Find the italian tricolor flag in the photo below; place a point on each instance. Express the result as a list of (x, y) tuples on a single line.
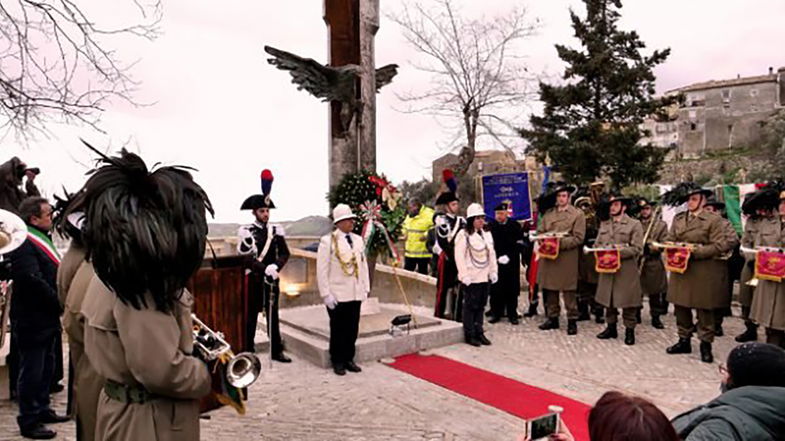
[(733, 197), (44, 243)]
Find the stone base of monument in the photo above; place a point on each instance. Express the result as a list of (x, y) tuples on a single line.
[(306, 333)]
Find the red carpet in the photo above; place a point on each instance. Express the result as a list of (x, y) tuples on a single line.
[(503, 393)]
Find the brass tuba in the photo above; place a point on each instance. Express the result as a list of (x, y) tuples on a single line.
[(241, 370)]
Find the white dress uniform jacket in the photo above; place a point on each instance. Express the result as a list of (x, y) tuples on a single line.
[(330, 273)]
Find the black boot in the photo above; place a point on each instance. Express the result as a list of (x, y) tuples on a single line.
[(706, 355), (550, 323), (682, 347), (572, 327), (751, 334), (532, 310), (583, 311), (656, 323), (609, 332), (599, 315), (494, 319), (629, 336)]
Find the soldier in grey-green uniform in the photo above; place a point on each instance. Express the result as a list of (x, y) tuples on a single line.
[(768, 303), (760, 207), (654, 281), (621, 289), (698, 287)]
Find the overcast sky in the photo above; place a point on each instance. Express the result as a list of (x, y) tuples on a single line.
[(221, 108)]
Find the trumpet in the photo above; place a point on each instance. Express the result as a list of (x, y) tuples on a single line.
[(756, 250), (587, 250), (543, 236), (241, 370), (665, 245)]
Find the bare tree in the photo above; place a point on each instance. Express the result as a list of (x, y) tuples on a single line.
[(55, 63), (478, 74)]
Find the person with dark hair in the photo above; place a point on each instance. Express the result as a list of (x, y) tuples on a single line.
[(35, 319), (12, 172), (620, 417), (145, 232), (558, 271), (507, 241), (478, 268), (654, 281), (694, 284), (752, 404), (264, 245), (619, 284)]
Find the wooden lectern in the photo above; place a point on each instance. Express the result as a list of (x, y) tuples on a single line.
[(221, 302)]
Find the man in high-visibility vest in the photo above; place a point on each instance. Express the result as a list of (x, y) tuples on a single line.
[(415, 232)]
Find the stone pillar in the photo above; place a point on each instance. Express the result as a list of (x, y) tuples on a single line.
[(352, 25), (369, 24)]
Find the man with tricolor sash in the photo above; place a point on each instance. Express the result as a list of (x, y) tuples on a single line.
[(768, 303), (35, 319), (695, 241), (618, 245)]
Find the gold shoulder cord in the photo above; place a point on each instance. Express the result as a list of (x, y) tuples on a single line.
[(345, 265)]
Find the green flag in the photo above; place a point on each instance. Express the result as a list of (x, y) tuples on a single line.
[(733, 206)]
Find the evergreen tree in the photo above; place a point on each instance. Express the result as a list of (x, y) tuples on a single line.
[(590, 127)]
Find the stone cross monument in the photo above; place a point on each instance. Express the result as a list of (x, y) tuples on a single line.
[(349, 82)]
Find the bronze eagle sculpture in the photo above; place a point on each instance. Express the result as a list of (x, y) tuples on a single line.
[(329, 83)]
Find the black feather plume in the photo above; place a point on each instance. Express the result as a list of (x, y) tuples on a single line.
[(145, 231), (679, 194)]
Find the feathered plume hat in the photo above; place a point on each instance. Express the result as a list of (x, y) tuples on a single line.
[(451, 192), (547, 199), (682, 192), (261, 200), (67, 218), (766, 198), (145, 229)]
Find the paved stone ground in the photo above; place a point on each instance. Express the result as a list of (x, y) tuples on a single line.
[(303, 402)]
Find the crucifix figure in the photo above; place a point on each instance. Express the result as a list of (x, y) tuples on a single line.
[(349, 82)]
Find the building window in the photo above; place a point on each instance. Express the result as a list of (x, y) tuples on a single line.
[(726, 97), (693, 126), (753, 92)]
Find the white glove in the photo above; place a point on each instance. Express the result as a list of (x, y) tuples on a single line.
[(466, 281), (504, 260), (330, 301), (494, 278), (271, 271), (436, 248)]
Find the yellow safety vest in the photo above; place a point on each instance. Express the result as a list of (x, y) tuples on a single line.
[(416, 230)]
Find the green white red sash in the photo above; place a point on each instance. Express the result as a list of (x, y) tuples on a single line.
[(43, 243)]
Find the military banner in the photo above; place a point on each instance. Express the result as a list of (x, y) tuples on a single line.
[(677, 258), (548, 248), (607, 261), (770, 265), (511, 188)]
